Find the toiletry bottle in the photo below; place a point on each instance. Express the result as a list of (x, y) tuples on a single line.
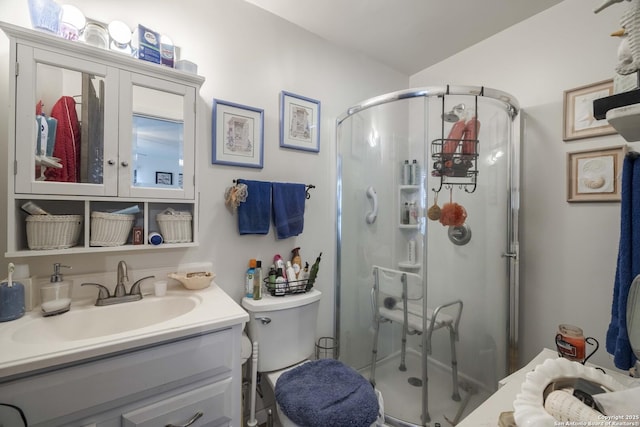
[(56, 295), (313, 273), (279, 263), (413, 213), (296, 261), (304, 275), (291, 277), (413, 253), (405, 214), (415, 173), (272, 279), (281, 283), (248, 288), (406, 173), (11, 298), (257, 281)]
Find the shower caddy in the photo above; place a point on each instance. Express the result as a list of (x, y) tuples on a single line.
[(456, 168)]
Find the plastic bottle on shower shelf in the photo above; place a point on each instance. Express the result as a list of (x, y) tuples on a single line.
[(405, 214), (415, 173), (406, 173), (412, 251), (413, 213)]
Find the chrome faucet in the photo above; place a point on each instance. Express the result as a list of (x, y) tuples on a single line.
[(120, 293), (122, 276)]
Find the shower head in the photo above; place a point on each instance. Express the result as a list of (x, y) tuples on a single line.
[(454, 115)]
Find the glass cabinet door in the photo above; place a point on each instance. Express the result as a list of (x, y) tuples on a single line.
[(66, 125), (157, 138)]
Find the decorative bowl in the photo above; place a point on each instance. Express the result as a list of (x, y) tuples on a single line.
[(194, 281)]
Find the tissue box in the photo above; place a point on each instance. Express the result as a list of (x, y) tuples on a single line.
[(146, 44)]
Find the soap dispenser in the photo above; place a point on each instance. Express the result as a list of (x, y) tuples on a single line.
[(56, 295)]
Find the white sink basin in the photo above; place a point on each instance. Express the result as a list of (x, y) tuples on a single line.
[(89, 321)]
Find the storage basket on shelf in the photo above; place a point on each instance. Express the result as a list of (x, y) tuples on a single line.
[(175, 226), (110, 229), (53, 231)]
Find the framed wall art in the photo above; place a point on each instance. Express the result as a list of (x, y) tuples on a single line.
[(164, 178), (595, 175), (299, 122), (237, 135), (579, 121)]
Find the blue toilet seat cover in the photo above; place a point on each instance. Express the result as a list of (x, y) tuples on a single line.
[(326, 392)]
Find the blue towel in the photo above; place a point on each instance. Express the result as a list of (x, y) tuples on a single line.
[(326, 393), (288, 209), (628, 264), (254, 214)]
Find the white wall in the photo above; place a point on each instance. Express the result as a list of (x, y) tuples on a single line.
[(568, 251), (247, 56)]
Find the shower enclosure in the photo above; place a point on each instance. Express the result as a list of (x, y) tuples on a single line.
[(439, 239)]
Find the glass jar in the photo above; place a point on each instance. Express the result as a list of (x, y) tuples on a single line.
[(570, 342)]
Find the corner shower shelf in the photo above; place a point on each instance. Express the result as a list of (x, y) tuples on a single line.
[(409, 226)]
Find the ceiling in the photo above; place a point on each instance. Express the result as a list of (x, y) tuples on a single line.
[(407, 35)]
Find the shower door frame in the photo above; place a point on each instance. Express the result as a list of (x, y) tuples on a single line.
[(513, 201)]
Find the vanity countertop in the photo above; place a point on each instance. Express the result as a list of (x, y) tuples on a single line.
[(487, 414), (22, 350)]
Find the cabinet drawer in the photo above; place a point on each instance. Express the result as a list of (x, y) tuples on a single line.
[(115, 381), (212, 401)]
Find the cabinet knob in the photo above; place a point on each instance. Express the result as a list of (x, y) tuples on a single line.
[(124, 164), (111, 162)]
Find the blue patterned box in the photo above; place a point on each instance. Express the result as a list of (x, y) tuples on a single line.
[(146, 44)]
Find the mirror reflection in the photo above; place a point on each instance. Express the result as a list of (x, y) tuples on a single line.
[(70, 121), (157, 140)]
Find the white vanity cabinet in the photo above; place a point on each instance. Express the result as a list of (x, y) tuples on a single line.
[(167, 383), (126, 133)]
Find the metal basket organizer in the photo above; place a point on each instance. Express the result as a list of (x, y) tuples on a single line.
[(290, 287)]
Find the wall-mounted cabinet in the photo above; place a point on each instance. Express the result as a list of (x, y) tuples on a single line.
[(95, 130)]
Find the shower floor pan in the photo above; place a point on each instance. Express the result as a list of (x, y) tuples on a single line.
[(402, 391)]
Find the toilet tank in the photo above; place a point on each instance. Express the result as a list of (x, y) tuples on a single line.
[(284, 328)]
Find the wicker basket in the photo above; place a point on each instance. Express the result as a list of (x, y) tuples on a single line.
[(175, 227), (110, 229), (53, 231)]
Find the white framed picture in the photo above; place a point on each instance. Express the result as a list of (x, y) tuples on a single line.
[(299, 122)]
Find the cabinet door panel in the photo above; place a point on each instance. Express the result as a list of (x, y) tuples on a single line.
[(213, 402), (64, 151), (157, 138)]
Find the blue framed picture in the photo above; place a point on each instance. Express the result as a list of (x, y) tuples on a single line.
[(237, 135), (299, 122)]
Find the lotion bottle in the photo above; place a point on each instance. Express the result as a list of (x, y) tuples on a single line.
[(296, 261), (291, 277)]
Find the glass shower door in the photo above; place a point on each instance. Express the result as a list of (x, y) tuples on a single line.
[(471, 264)]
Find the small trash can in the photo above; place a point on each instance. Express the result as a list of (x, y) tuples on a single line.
[(327, 348)]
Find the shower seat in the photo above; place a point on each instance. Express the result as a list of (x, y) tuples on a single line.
[(396, 296)]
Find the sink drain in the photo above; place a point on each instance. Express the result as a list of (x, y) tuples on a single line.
[(416, 382)]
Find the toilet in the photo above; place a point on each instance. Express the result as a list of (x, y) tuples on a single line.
[(284, 328)]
